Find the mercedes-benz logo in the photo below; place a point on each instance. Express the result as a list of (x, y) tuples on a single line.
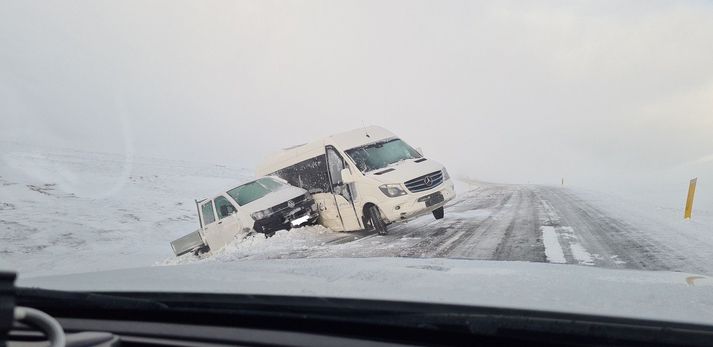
[(290, 204), (427, 181)]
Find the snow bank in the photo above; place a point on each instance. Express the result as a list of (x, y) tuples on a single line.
[(64, 210), (284, 244), (660, 217)]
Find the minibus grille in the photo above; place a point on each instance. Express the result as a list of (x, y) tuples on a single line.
[(425, 182)]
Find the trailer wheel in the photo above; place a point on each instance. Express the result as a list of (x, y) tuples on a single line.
[(438, 213), (376, 222)]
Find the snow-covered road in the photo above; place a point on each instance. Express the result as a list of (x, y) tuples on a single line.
[(489, 222)]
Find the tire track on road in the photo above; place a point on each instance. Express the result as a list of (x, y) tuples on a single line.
[(505, 222), (522, 239), (482, 238)]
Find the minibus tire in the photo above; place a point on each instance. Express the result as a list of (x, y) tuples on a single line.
[(438, 213), (377, 223)]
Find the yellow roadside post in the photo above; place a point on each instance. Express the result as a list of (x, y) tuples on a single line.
[(689, 199)]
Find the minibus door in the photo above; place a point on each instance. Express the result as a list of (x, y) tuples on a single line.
[(343, 197)]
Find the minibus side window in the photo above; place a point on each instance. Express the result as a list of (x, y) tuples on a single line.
[(310, 174)]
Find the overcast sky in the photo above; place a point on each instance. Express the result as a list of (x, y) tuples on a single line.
[(509, 92)]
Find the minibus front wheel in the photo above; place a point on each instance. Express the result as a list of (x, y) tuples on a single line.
[(376, 222)]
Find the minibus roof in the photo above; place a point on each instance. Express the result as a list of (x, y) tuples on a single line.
[(345, 140)]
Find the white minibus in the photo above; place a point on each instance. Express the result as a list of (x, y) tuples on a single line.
[(364, 179)]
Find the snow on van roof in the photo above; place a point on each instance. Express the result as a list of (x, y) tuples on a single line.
[(344, 140)]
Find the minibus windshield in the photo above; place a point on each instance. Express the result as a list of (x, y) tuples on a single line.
[(381, 154), (252, 191)]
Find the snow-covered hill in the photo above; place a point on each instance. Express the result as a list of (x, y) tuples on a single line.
[(64, 210)]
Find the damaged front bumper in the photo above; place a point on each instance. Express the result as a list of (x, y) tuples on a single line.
[(303, 212)]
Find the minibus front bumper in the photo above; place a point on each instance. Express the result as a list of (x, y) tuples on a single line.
[(414, 205)]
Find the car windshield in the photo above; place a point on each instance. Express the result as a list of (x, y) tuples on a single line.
[(252, 191), (546, 155), (379, 155)]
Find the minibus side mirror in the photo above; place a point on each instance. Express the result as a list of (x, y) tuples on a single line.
[(347, 177), (419, 150)]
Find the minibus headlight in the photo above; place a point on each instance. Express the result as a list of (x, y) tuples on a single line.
[(392, 190), (446, 176)]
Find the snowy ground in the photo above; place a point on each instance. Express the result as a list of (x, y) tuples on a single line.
[(69, 211), (508, 222), (64, 211)]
